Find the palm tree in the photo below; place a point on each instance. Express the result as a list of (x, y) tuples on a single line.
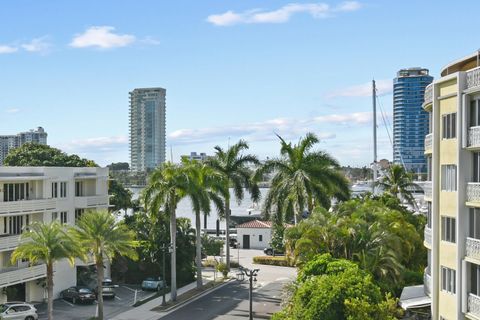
[(302, 179), (204, 185), (102, 237), (232, 165), (167, 185), (399, 183), (46, 243)]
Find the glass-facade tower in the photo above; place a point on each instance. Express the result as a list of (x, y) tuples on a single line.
[(410, 121), (147, 128)]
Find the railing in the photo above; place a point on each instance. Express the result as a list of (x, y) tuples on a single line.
[(27, 206), (427, 233), (91, 201), (427, 189), (9, 242), (472, 248), (473, 192), (473, 78), (473, 304), (428, 96), (11, 276), (429, 141), (474, 137), (427, 283)]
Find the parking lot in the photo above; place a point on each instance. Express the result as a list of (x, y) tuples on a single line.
[(124, 299)]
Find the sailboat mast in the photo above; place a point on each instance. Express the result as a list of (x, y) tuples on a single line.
[(374, 98)]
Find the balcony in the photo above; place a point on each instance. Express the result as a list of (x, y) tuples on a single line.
[(472, 249), (427, 283), (427, 190), (14, 275), (25, 206), (473, 192), (428, 96), (473, 78), (473, 304), (91, 201), (473, 137), (428, 143), (9, 242), (427, 233)]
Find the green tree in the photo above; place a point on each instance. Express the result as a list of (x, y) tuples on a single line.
[(39, 155), (121, 198), (302, 180), (102, 237), (399, 183), (46, 243), (232, 164)]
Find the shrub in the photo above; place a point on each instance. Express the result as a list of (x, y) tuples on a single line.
[(222, 267), (272, 261)]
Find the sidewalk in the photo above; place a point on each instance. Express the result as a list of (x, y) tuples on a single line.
[(144, 312)]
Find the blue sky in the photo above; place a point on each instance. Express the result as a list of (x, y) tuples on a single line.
[(232, 69)]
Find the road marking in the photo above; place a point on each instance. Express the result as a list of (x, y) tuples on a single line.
[(117, 297), (70, 304), (133, 290)]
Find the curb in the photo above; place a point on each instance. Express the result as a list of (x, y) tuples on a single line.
[(192, 299)]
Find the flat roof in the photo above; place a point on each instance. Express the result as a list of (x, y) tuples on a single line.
[(466, 63)]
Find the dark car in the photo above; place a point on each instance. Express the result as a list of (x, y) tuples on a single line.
[(269, 251), (78, 294), (108, 290)]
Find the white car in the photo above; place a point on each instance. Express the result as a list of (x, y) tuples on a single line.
[(18, 311)]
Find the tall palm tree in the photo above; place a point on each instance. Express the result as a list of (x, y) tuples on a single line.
[(46, 243), (204, 185), (399, 183), (102, 237), (302, 179), (232, 165), (167, 185)]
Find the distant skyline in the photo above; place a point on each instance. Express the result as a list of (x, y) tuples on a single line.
[(231, 69)]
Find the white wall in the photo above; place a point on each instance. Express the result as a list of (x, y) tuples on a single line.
[(254, 234)]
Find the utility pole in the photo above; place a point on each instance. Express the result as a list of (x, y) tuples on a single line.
[(374, 167), (252, 277)]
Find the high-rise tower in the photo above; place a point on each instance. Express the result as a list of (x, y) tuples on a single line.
[(147, 128), (9, 142), (410, 121)]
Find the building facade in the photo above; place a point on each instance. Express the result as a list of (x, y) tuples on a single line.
[(452, 233), (147, 128), (202, 156), (410, 121), (43, 194), (9, 142)]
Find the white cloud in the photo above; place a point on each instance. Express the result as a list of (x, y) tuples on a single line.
[(281, 15), (12, 110), (384, 87), (349, 118), (37, 45), (102, 37), (7, 49)]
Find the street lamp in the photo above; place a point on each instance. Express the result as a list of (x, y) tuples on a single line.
[(252, 277), (164, 249)]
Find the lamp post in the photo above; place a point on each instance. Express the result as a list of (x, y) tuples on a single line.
[(252, 277)]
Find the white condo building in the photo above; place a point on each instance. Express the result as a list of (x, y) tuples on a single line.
[(8, 142), (29, 194), (147, 128)]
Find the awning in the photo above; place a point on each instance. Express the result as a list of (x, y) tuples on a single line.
[(414, 297)]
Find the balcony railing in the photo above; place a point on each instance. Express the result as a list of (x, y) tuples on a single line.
[(427, 233), (473, 192), (473, 304), (91, 202), (27, 206), (14, 275), (474, 137), (427, 283), (427, 189), (9, 242), (473, 78), (428, 96), (472, 248), (429, 141)]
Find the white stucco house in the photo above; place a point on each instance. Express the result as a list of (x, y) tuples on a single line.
[(254, 234)]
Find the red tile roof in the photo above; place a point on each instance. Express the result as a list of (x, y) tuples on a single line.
[(256, 224)]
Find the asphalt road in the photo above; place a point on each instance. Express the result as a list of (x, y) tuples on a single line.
[(231, 303)]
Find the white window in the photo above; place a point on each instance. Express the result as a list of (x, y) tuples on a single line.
[(54, 189), (15, 191), (474, 113), (260, 238), (63, 217), (449, 126), (448, 280), (448, 229), (449, 177), (63, 189), (474, 223), (429, 214), (78, 213), (79, 189), (54, 216)]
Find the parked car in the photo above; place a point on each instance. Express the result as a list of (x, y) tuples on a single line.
[(108, 289), (152, 284), (269, 251), (18, 311), (78, 294)]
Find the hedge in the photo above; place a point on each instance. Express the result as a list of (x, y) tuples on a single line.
[(272, 261)]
